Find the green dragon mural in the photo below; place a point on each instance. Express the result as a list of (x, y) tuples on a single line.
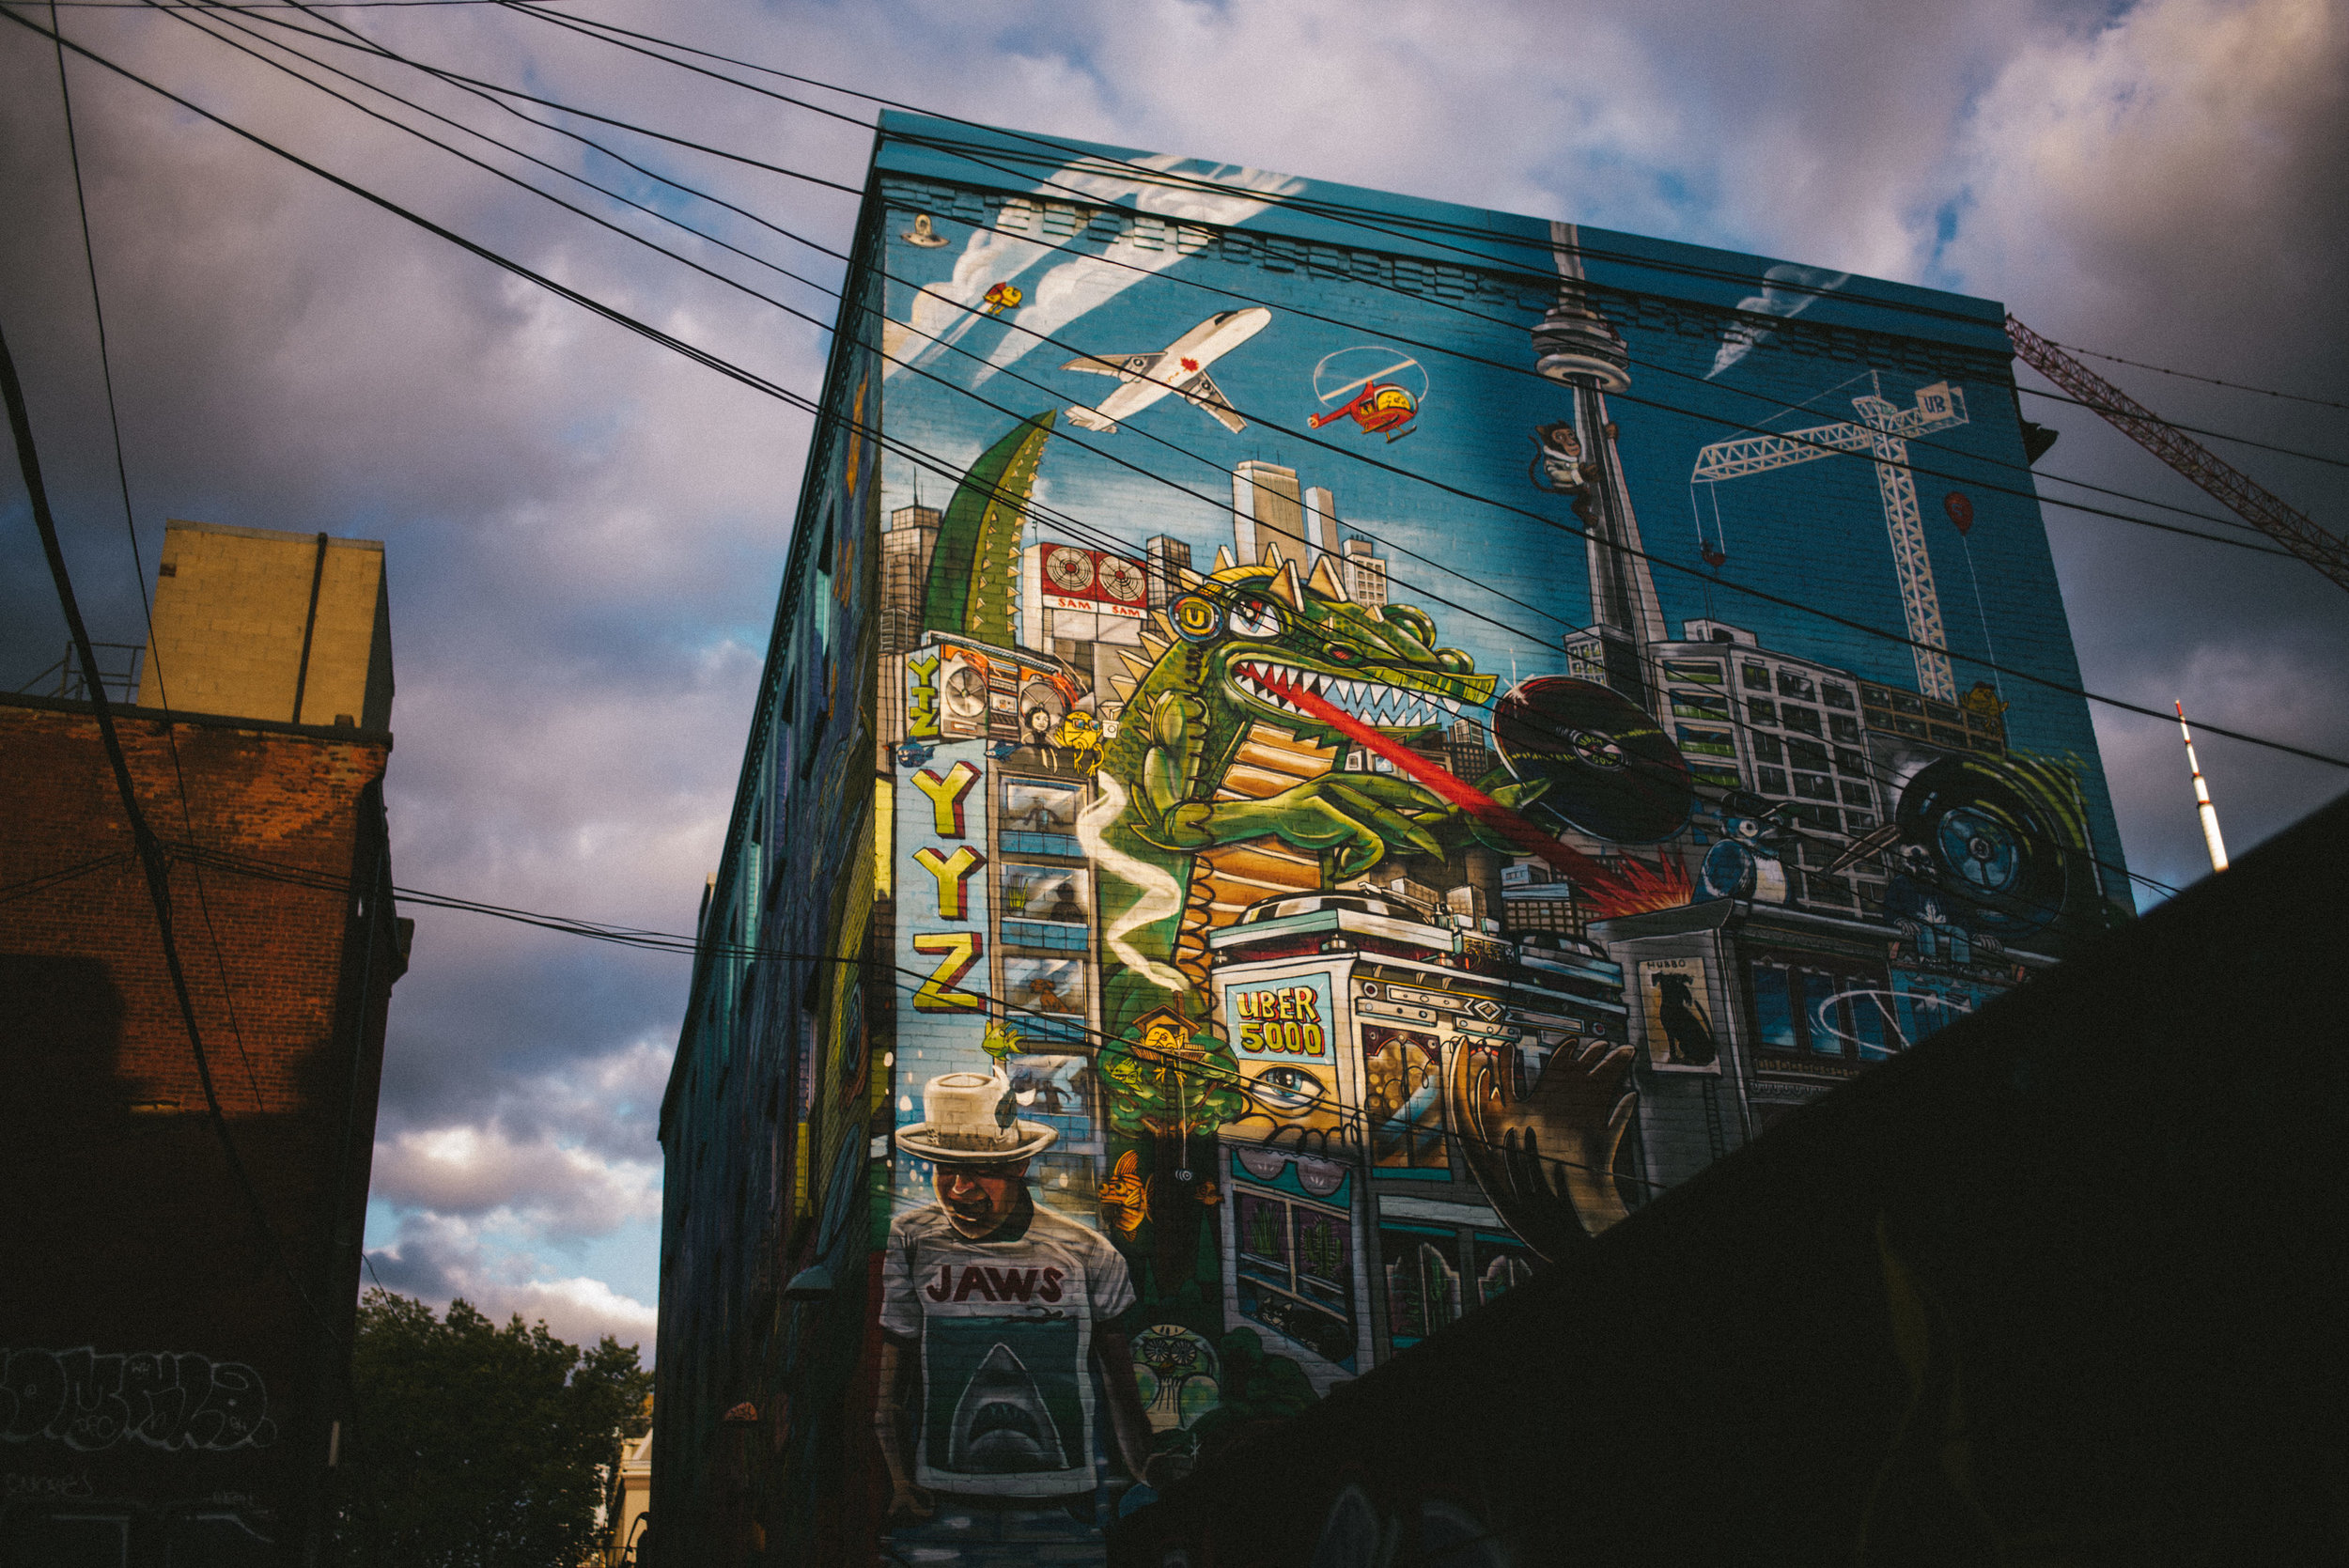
[(1224, 658), (1216, 669)]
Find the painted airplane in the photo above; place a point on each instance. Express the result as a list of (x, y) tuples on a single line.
[(1181, 369)]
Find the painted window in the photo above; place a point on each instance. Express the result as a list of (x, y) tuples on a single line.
[(1822, 1010), (1295, 1263), (1403, 1101), (1708, 742), (1701, 705), (1423, 1280)]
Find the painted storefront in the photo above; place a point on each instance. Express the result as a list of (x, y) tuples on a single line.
[(1394, 734)]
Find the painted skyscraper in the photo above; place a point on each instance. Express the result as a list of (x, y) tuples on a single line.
[(1204, 823)]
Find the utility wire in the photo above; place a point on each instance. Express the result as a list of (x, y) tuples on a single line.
[(1340, 212), (1320, 207), (746, 378), (1112, 543), (138, 565), (433, 70), (2211, 380), (474, 85), (2254, 545), (152, 858), (263, 4), (906, 980), (2189, 429)]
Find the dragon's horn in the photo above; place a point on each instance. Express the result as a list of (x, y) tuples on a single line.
[(1121, 687), (1271, 555), (1136, 667), (1325, 583), (1155, 647), (1186, 578), (1283, 586), (1164, 626), (1223, 560)]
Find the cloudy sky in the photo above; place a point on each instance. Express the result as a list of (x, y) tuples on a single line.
[(585, 534)]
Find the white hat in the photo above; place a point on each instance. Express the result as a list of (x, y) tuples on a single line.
[(967, 1123)]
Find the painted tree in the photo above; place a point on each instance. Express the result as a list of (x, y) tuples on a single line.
[(1170, 1091)]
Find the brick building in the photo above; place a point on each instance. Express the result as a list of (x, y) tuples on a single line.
[(169, 1379), (1170, 954)]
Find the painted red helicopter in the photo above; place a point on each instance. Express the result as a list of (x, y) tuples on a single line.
[(1381, 408)]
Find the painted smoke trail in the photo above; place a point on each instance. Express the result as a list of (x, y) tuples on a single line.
[(1160, 894)]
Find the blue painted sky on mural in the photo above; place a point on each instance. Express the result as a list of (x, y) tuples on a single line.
[(585, 534)]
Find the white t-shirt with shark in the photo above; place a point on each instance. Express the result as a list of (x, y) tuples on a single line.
[(1005, 1327)]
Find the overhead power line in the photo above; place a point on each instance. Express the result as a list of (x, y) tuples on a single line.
[(2208, 381), (1078, 529), (749, 378), (2292, 529), (138, 565), (2188, 430), (1343, 212), (149, 848), (1125, 546), (486, 90)]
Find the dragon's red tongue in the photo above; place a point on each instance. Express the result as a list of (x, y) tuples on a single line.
[(1611, 892)]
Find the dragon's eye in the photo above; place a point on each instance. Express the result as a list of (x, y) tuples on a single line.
[(1254, 617)]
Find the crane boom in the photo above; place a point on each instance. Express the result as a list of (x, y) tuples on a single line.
[(1735, 459), (2294, 530), (1885, 436)]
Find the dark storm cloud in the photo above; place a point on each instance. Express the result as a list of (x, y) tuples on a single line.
[(585, 534)]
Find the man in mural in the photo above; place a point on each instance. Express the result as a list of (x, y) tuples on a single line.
[(996, 1312)]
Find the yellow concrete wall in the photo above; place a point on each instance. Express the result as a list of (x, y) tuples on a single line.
[(230, 606)]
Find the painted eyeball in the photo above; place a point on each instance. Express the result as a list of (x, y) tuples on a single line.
[(1286, 1088), (1195, 619), (1256, 617)]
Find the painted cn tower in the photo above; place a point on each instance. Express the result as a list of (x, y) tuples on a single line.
[(1574, 344)]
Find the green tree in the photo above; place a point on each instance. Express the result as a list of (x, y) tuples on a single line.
[(474, 1446)]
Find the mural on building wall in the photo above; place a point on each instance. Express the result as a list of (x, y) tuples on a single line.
[(1325, 874)]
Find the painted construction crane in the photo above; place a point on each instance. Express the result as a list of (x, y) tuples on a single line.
[(2294, 530), (1883, 435)]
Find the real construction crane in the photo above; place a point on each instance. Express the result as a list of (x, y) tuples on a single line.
[(2294, 530)]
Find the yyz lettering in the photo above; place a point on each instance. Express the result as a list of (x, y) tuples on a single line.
[(958, 951), (922, 696)]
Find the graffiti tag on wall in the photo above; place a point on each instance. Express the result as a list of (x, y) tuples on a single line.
[(90, 1401)]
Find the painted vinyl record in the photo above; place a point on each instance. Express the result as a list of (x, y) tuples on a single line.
[(1612, 772), (1996, 841)]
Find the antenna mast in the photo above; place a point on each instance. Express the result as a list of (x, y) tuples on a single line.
[(2208, 812)]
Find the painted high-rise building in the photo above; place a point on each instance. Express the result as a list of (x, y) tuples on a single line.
[(1153, 916)]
